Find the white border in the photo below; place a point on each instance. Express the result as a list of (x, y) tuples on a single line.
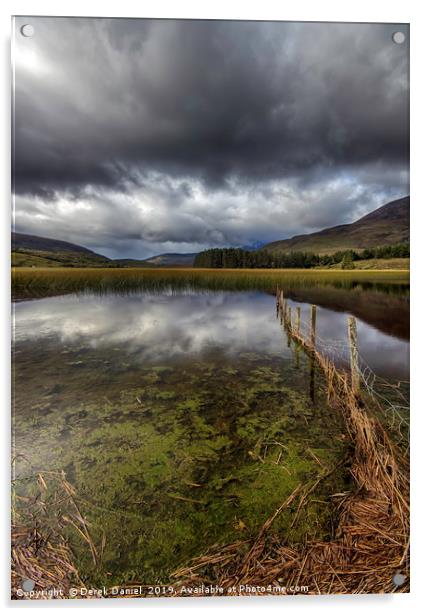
[(411, 11)]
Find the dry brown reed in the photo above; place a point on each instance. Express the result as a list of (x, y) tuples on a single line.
[(41, 554), (43, 559)]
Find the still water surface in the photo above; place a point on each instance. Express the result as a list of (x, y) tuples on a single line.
[(186, 418)]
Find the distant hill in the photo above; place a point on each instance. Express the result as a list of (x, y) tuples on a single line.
[(46, 244), (254, 246), (387, 225), (172, 258), (28, 250), (131, 263)]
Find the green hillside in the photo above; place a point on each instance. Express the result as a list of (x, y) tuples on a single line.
[(35, 251), (385, 226), (32, 250), (173, 258)]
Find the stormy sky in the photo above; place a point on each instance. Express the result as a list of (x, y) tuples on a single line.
[(138, 137)]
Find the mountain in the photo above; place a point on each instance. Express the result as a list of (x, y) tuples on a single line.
[(28, 250), (172, 258), (46, 244), (253, 246), (131, 263), (387, 225)]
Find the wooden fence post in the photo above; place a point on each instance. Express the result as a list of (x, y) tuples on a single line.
[(313, 325), (290, 317), (354, 355), (313, 351), (297, 348), (298, 326)]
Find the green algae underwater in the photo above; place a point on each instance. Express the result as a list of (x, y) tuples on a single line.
[(183, 423), (188, 458)]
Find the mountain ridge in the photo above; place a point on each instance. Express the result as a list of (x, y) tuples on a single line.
[(44, 251), (34, 250), (47, 244), (172, 258), (388, 224)]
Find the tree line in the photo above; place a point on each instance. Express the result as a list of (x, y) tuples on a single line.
[(240, 258)]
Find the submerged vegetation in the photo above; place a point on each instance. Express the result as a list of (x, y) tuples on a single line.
[(184, 457)]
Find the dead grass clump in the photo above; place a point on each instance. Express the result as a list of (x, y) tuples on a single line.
[(42, 560), (46, 560)]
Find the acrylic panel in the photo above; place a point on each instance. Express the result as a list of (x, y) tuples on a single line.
[(210, 295)]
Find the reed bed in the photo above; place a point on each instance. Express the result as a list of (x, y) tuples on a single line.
[(370, 544), (39, 282)]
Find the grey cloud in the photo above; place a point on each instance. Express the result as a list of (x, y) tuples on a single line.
[(287, 111)]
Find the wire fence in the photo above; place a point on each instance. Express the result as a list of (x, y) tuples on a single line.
[(392, 398)]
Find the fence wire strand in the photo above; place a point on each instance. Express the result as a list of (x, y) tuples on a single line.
[(338, 351)]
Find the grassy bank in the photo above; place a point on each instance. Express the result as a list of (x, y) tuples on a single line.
[(44, 258), (379, 264), (27, 282)]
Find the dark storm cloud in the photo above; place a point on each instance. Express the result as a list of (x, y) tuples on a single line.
[(187, 114)]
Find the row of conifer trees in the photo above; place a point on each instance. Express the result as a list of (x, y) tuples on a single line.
[(240, 258)]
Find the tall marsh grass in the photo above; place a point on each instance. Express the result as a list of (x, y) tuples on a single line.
[(36, 282)]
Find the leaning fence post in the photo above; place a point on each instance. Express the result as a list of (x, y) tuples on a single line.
[(313, 325), (290, 317), (354, 355)]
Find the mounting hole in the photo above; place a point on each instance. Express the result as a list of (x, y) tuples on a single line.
[(399, 579), (28, 585), (27, 30), (398, 37)]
